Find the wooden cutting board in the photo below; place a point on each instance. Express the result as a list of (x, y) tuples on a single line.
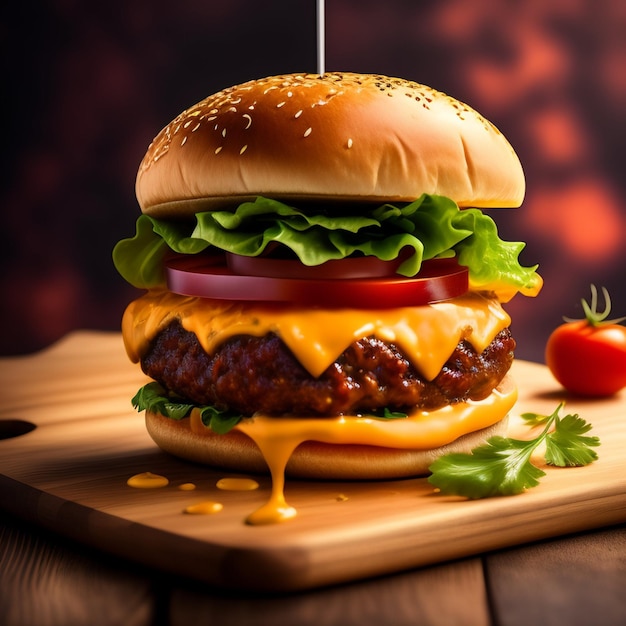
[(69, 474)]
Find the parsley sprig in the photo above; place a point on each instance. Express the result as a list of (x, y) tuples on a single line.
[(502, 466)]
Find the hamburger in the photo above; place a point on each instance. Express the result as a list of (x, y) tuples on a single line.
[(323, 290)]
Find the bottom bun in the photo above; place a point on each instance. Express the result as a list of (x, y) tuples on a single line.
[(311, 459)]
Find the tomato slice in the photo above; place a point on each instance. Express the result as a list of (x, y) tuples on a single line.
[(352, 267), (210, 277)]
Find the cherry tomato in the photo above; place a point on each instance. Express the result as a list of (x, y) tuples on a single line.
[(588, 357), (440, 279)]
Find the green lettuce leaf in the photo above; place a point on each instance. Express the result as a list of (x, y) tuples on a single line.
[(153, 397), (431, 226)]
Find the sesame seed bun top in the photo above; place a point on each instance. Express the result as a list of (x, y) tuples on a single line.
[(340, 136)]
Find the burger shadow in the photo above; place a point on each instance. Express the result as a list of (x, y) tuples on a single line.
[(105, 472), (95, 470), (567, 397)]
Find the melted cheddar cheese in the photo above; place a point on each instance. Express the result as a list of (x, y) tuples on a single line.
[(426, 335), (277, 438)]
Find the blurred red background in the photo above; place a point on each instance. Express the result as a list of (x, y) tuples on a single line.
[(88, 85)]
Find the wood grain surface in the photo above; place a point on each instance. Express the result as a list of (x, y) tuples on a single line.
[(69, 475), (48, 580)]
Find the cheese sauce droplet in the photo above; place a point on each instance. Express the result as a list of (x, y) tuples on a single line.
[(237, 484), (204, 508), (147, 480)]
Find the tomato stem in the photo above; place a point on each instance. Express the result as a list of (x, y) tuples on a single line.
[(592, 315)]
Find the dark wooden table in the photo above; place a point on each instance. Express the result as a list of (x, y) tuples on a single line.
[(578, 580)]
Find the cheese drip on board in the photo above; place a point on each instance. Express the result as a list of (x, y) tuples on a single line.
[(426, 335), (277, 438)]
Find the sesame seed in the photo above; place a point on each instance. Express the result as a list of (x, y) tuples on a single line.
[(298, 114), (280, 104), (243, 149), (308, 131), (218, 150), (249, 120), (349, 143), (195, 128), (184, 141), (232, 109), (224, 132)]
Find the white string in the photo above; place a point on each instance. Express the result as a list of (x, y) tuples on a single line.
[(320, 38)]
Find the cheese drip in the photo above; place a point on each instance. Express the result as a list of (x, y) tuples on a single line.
[(426, 335), (278, 438)]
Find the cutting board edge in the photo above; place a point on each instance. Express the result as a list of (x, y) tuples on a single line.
[(290, 568)]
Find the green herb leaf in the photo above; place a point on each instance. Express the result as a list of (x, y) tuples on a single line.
[(155, 398), (534, 419), (503, 467), (218, 421), (387, 413), (567, 445), (498, 468)]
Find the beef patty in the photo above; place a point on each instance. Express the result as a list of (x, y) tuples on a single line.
[(260, 374)]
